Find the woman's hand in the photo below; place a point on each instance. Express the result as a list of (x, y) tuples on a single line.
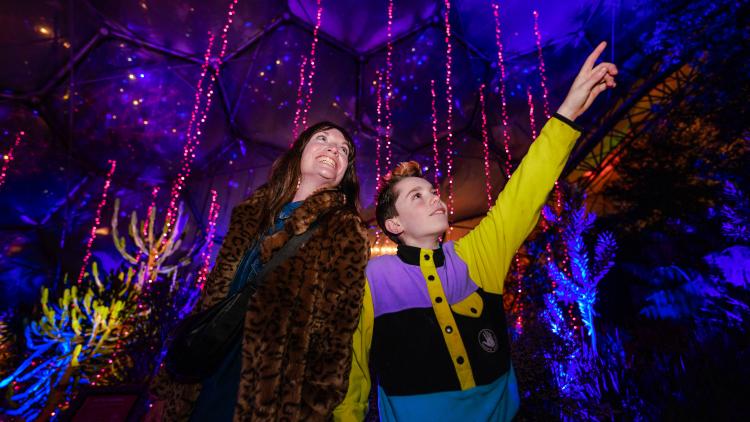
[(590, 82)]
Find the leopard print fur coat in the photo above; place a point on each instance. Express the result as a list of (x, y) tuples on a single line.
[(296, 350)]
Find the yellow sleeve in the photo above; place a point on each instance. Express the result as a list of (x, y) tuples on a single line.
[(489, 248), (354, 406)]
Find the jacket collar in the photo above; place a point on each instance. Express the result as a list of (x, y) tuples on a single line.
[(317, 204), (411, 255)]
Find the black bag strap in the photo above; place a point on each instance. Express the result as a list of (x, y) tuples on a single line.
[(290, 248)]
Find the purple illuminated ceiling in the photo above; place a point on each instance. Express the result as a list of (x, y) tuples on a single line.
[(96, 80)]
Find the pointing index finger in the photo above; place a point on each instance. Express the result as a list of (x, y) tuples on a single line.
[(591, 59)]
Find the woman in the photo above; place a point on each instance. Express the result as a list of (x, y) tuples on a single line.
[(295, 355)]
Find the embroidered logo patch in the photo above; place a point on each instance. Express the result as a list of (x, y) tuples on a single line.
[(488, 341)]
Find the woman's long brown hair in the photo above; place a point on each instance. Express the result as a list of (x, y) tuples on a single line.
[(282, 182)]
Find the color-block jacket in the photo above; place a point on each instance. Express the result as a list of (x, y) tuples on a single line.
[(433, 327)]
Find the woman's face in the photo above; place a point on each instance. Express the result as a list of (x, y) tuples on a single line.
[(325, 158)]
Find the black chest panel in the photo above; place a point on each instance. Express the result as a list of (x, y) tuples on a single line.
[(409, 355)]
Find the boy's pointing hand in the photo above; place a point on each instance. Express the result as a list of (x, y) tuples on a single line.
[(590, 82)]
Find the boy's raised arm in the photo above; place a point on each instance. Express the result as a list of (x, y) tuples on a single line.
[(489, 248)]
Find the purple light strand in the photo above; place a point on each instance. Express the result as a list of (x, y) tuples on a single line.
[(378, 139), (449, 100), (532, 121), (9, 156), (501, 87), (486, 144), (311, 75), (542, 70), (389, 87), (213, 215), (97, 219), (300, 89), (435, 149)]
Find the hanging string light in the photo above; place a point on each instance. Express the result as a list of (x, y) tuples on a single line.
[(193, 128), (213, 215), (378, 142), (501, 88), (389, 87), (97, 219), (517, 262), (557, 193), (435, 150), (306, 81), (378, 138), (558, 197), (532, 121), (545, 102), (518, 307), (486, 144), (449, 100), (193, 141), (201, 105), (225, 31), (151, 207), (542, 71), (312, 62), (8, 157), (300, 90)]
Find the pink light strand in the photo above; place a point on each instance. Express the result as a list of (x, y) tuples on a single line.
[(312, 60), (199, 87), (532, 121), (486, 144), (9, 156), (97, 219), (565, 255), (225, 30), (542, 71), (449, 100), (435, 150), (213, 214), (501, 87), (378, 139), (558, 198), (545, 102), (389, 87), (197, 119), (151, 207), (300, 90), (193, 128), (519, 299), (519, 291), (548, 248)]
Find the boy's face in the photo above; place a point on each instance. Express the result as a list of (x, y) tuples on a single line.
[(421, 213)]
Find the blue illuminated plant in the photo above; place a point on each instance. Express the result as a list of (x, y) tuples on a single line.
[(579, 284), (79, 339), (735, 214), (108, 330)]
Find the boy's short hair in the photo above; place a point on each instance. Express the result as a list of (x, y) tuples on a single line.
[(385, 207)]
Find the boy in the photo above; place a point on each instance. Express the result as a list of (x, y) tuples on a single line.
[(432, 324)]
